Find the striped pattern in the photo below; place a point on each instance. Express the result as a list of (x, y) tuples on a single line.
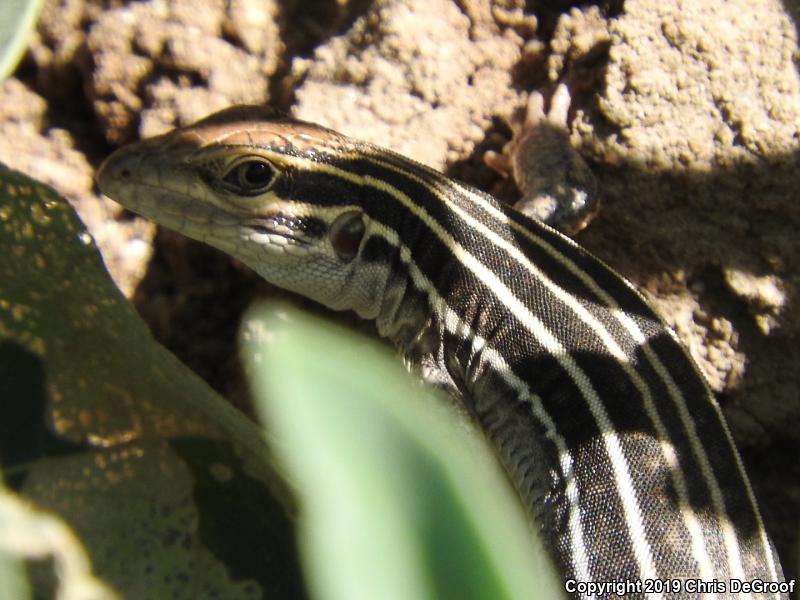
[(603, 422)]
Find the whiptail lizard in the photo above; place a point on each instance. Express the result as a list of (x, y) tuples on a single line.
[(607, 429)]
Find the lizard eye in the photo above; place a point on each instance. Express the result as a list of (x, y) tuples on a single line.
[(250, 177)]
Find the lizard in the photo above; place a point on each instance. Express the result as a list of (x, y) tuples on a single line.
[(609, 432)]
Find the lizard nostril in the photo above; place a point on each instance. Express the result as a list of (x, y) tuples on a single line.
[(125, 173)]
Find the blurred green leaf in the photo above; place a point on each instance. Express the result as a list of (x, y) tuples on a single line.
[(13, 582), (400, 497), (165, 484), (17, 19), (28, 533)]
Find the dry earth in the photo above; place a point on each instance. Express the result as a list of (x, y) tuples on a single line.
[(687, 111)]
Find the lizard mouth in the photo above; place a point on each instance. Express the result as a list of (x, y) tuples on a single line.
[(298, 229), (261, 232)]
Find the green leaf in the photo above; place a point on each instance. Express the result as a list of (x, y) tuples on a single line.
[(400, 497), (29, 533), (13, 583), (165, 484), (17, 19)]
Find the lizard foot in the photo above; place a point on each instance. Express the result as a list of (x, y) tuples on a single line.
[(558, 187)]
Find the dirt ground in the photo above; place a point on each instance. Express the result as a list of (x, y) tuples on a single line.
[(687, 111)]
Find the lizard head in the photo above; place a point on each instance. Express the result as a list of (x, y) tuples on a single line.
[(254, 185)]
